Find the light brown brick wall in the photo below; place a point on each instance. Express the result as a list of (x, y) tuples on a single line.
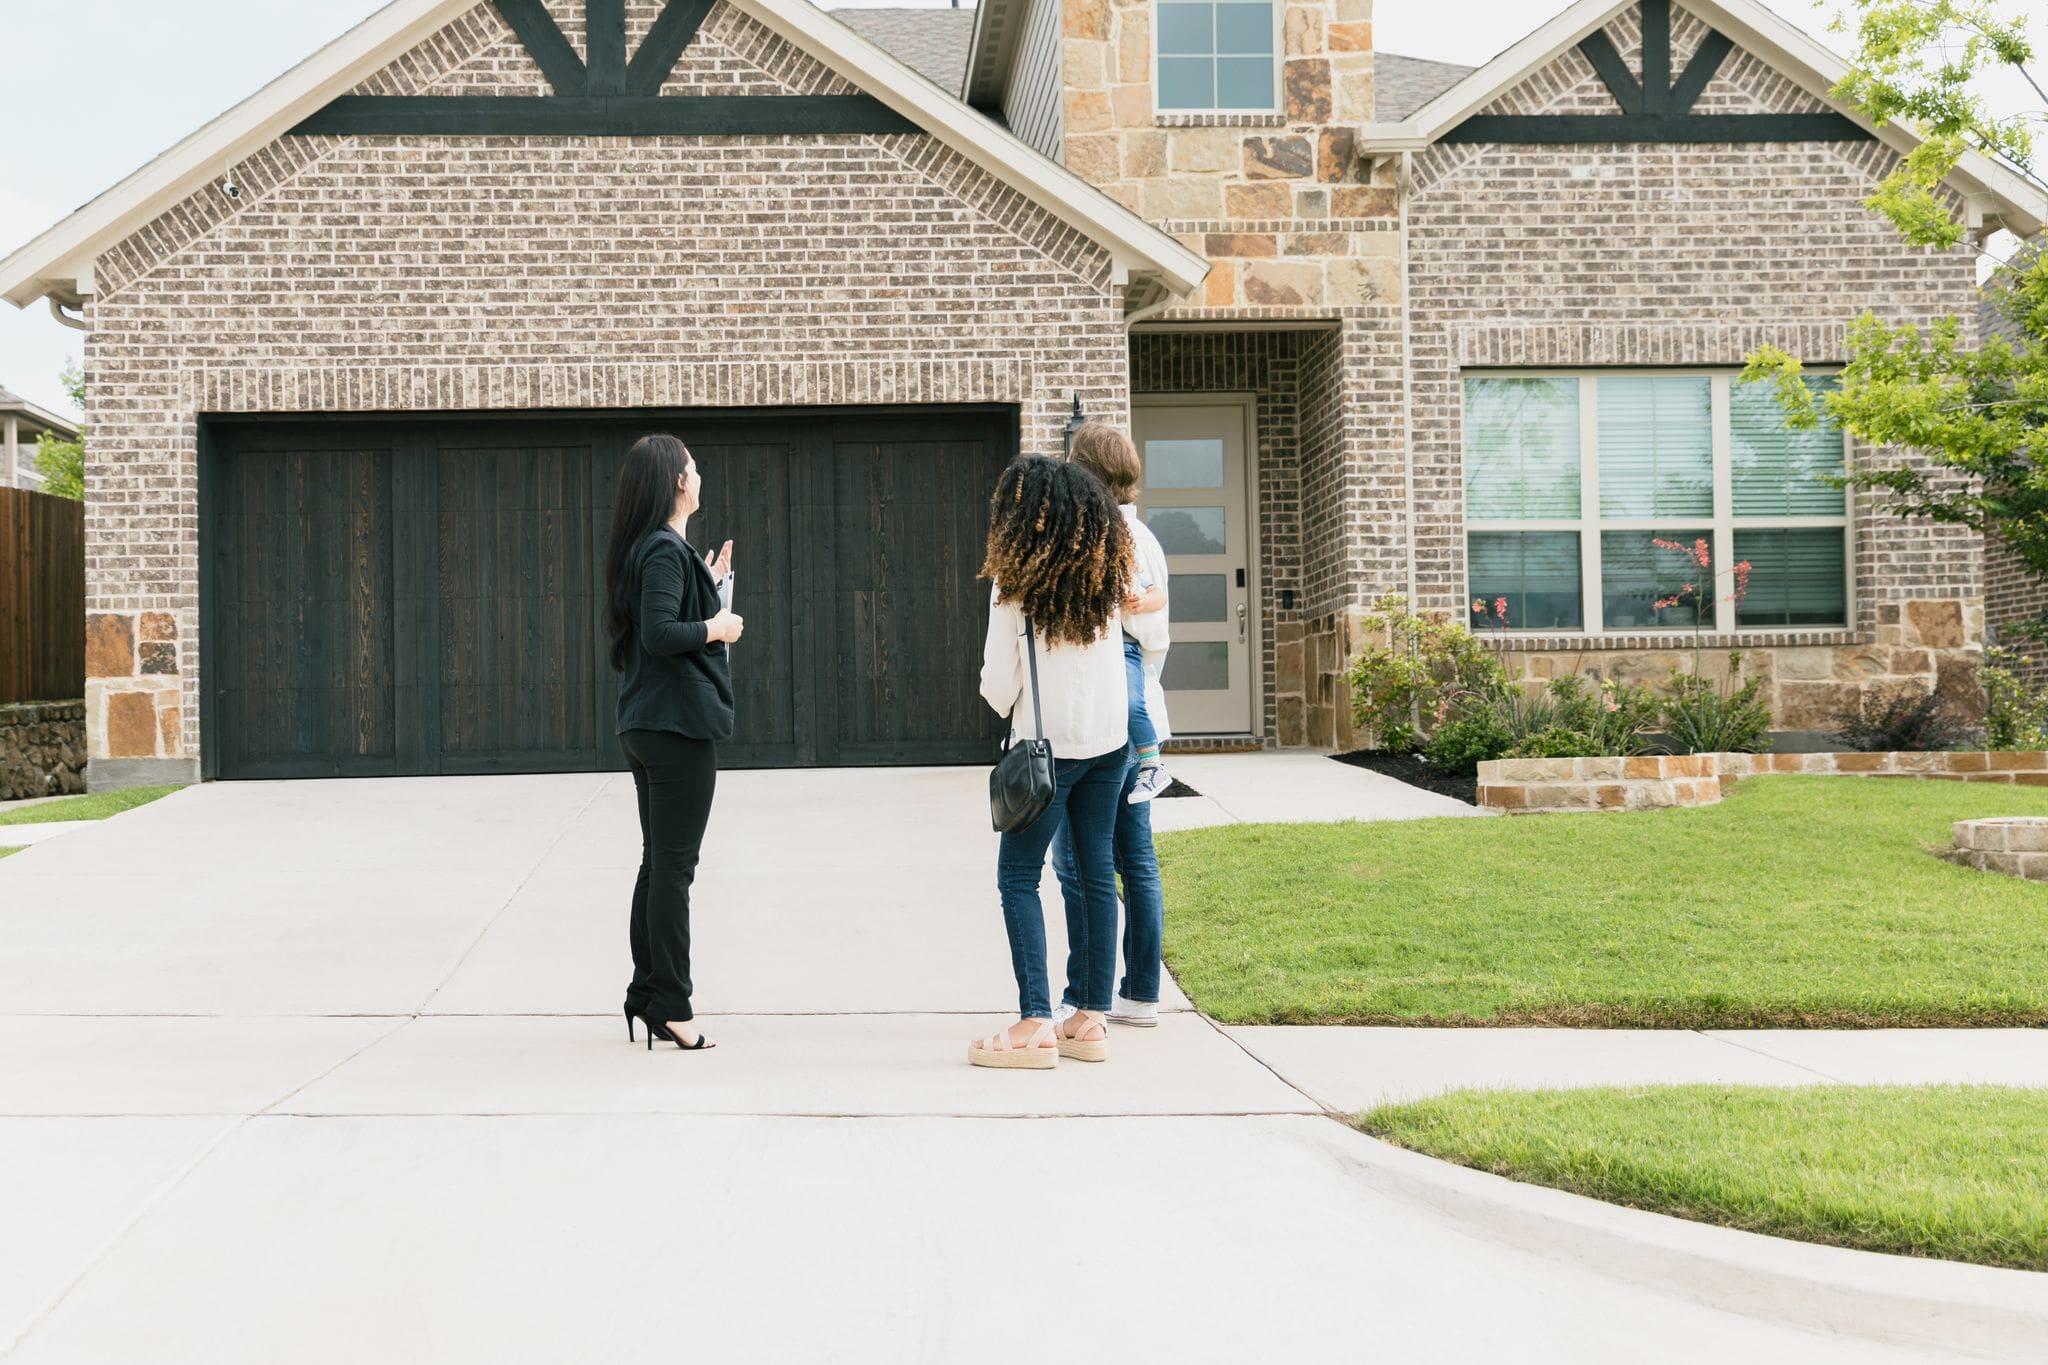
[(421, 274), (1618, 255)]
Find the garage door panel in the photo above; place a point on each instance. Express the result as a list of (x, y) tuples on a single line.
[(748, 499), (306, 635), (427, 596), (910, 517), (516, 612)]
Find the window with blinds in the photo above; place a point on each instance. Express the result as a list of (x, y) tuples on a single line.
[(1570, 479)]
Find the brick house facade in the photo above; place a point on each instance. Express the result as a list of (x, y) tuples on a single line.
[(925, 259)]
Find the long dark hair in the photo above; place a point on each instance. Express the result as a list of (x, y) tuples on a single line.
[(646, 500), (1058, 548)]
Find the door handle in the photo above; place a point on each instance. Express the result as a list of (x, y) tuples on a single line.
[(1240, 623)]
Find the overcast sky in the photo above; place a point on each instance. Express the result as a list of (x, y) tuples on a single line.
[(67, 58)]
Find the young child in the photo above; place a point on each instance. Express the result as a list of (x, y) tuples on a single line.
[(1109, 455)]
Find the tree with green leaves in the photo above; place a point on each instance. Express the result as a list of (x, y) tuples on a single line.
[(62, 462), (1976, 416)]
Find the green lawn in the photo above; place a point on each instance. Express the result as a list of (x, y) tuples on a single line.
[(1946, 1171), (1798, 901), (97, 806), (6, 852)]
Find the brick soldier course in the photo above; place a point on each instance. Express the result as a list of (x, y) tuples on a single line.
[(1355, 271)]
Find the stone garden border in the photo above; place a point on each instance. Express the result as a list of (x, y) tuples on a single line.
[(42, 749), (1530, 785)]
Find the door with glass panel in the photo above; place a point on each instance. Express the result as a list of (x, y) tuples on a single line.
[(1195, 500)]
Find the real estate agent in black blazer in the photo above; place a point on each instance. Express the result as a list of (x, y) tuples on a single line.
[(669, 638)]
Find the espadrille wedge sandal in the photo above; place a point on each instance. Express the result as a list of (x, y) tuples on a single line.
[(1038, 1053), (1089, 1041)]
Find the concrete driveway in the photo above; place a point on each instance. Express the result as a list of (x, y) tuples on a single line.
[(333, 1071)]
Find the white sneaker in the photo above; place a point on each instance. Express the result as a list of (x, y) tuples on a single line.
[(1062, 1012), (1136, 1013), (1152, 780)]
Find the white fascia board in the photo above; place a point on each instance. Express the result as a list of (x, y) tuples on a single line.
[(59, 261), (1134, 244), (61, 258), (2021, 203)]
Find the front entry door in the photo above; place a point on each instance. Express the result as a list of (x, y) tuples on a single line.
[(1195, 500)]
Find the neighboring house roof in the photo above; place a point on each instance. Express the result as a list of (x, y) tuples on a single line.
[(931, 42), (33, 420), (59, 262), (1995, 192), (1401, 85)]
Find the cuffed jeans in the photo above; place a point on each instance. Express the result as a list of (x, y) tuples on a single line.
[(1085, 796), (1144, 904), (673, 778), (1144, 734)]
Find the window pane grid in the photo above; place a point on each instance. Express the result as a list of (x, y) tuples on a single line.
[(1215, 56), (1674, 457)]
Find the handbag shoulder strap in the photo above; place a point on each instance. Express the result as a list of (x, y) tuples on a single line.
[(1031, 652)]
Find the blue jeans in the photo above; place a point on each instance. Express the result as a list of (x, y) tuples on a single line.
[(1085, 798), (1144, 734), (1144, 904)]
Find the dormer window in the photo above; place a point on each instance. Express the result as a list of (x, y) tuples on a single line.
[(1217, 58)]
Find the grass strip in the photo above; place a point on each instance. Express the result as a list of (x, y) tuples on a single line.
[(1796, 902), (1952, 1172), (96, 806)]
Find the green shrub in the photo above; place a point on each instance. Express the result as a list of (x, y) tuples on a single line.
[(2017, 711), (1702, 716), (1402, 690), (1465, 741)]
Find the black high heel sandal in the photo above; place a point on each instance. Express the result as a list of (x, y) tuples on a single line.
[(657, 1029), (629, 1023)]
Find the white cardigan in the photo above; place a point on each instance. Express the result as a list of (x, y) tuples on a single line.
[(1087, 712)]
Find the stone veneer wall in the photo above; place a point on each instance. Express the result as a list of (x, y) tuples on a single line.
[(1519, 785), (1278, 202), (417, 274), (42, 749), (2016, 846), (1680, 255)]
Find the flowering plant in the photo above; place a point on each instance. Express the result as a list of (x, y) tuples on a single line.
[(1704, 716), (1403, 687)]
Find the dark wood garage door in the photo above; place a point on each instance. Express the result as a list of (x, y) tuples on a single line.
[(427, 597)]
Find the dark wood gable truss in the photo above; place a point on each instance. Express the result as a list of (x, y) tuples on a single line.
[(1655, 108), (605, 96)]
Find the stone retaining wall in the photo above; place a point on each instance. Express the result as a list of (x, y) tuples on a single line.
[(2017, 846), (2027, 768), (1524, 785), (42, 749)]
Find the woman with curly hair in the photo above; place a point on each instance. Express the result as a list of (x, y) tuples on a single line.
[(1060, 559)]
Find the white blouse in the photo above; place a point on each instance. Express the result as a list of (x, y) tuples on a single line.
[(1086, 709)]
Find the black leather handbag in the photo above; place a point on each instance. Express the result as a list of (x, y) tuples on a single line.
[(1021, 785)]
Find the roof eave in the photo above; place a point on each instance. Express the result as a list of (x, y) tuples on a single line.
[(67, 250), (1995, 192), (1135, 245)]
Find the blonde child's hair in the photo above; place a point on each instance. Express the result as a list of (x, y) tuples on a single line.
[(1108, 454)]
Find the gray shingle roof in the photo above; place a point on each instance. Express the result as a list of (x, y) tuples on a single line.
[(931, 42), (1401, 85), (8, 397)]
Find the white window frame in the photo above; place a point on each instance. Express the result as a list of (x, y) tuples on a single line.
[(1588, 525), (1279, 89)]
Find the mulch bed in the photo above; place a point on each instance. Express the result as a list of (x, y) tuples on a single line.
[(1415, 771)]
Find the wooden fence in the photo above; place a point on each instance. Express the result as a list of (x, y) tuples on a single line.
[(42, 597)]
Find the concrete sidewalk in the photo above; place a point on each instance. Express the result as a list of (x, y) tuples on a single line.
[(332, 1071), (1349, 1069)]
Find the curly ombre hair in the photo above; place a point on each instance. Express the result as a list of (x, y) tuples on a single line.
[(1058, 548)]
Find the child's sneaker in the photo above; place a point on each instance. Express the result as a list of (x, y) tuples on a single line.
[(1152, 780), (1063, 1012), (1136, 1013)]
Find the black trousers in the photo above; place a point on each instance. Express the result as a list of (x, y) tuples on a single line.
[(673, 777)]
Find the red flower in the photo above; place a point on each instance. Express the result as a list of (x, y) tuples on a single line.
[(1478, 607), (1500, 609), (1702, 555)]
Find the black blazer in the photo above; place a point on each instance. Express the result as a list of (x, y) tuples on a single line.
[(676, 678)]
